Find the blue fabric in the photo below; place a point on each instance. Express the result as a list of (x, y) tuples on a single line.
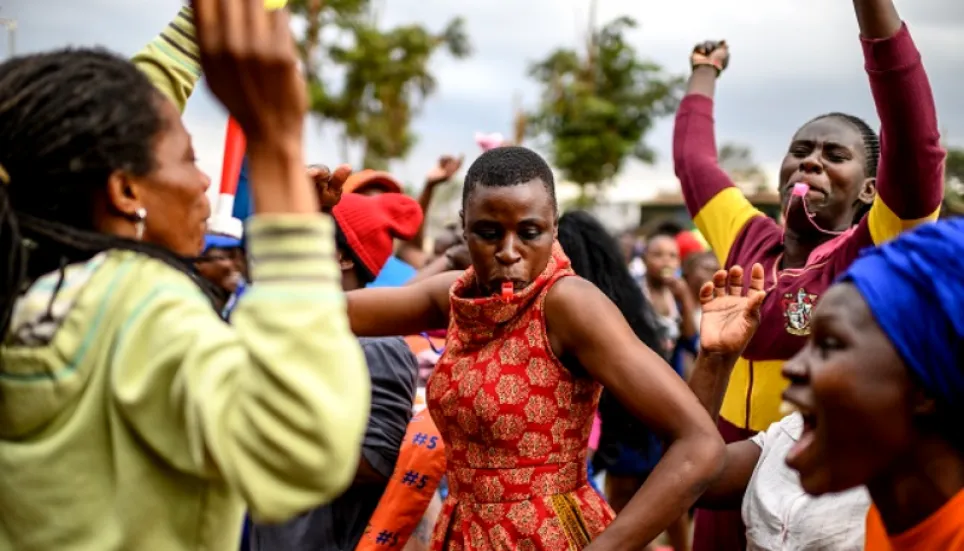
[(631, 461), (395, 273), (233, 300), (677, 359), (220, 241), (914, 286), (591, 474), (242, 197)]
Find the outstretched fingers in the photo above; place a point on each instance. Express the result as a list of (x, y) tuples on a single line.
[(756, 293), (735, 280)]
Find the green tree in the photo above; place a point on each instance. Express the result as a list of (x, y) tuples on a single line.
[(387, 80), (954, 181), (737, 160), (596, 108), (384, 75)]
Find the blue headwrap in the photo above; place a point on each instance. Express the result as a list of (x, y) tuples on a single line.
[(914, 286)]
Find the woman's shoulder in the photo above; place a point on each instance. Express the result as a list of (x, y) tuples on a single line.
[(86, 291), (64, 327)]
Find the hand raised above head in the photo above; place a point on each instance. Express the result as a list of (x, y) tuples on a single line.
[(251, 65), (443, 171), (329, 184), (730, 316), (712, 53)]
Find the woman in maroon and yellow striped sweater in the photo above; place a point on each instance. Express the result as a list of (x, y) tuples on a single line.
[(860, 192)]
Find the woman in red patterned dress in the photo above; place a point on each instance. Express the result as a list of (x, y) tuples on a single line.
[(515, 391)]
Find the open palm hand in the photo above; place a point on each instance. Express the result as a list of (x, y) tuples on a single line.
[(730, 316)]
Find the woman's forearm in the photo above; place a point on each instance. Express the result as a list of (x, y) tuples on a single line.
[(910, 172), (711, 375), (702, 81), (877, 18), (689, 466)]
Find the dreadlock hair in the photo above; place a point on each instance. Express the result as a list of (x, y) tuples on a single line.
[(596, 257), (68, 120), (871, 149)]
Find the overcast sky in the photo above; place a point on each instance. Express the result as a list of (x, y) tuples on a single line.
[(791, 60)]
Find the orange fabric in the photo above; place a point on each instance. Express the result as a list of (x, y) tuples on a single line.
[(944, 531), (420, 343), (368, 178), (420, 466)]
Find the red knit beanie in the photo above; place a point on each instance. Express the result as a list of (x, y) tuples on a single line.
[(688, 244), (370, 225)]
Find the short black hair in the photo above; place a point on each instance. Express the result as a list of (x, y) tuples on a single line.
[(871, 149), (68, 120), (670, 228), (508, 166)]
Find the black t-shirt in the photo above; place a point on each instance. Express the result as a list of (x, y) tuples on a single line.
[(339, 525)]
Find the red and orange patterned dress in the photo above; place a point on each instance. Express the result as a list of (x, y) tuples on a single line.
[(516, 427)]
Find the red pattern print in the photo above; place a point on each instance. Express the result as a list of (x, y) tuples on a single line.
[(516, 427)]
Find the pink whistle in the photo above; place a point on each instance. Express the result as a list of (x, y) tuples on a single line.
[(507, 290), (801, 189)]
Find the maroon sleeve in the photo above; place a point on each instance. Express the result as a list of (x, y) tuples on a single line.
[(694, 153), (910, 176)]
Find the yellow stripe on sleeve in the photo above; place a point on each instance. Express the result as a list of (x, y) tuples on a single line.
[(884, 225), (722, 218)]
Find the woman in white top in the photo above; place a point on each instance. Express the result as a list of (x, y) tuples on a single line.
[(778, 514)]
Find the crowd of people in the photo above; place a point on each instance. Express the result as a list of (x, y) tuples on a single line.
[(747, 384)]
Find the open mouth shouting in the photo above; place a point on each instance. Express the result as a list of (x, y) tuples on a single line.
[(803, 455)]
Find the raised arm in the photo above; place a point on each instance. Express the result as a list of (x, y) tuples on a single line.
[(171, 61), (583, 323), (408, 310), (718, 208), (275, 405), (728, 322), (910, 174)]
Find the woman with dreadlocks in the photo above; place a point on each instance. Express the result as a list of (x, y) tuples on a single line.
[(131, 416), (842, 190)]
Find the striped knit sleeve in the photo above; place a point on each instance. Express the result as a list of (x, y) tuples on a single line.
[(275, 404), (171, 61)]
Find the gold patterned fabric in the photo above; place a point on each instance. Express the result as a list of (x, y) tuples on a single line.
[(516, 427)]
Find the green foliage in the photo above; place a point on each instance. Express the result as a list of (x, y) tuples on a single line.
[(596, 110), (737, 160), (954, 181), (384, 75)]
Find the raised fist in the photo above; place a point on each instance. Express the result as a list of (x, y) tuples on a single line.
[(713, 53)]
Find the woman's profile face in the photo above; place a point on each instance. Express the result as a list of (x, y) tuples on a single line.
[(174, 193), (855, 395), (509, 232)]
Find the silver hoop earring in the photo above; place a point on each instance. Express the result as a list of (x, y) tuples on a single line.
[(140, 216)]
